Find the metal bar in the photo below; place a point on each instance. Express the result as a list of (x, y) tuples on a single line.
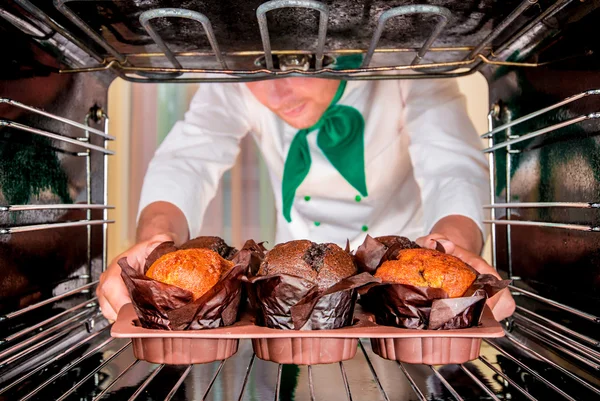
[(362, 347), (550, 11), (185, 374), (21, 208), (246, 376), (105, 200), (513, 340), (37, 227), (446, 384), (61, 355), (66, 368), (541, 329), (542, 131), (531, 371), (442, 12), (55, 117), (262, 10), (494, 111), (592, 318), (39, 14), (88, 194), (25, 26), (29, 329), (505, 377), (147, 16), (479, 383), (52, 135), (47, 301), (278, 384), (345, 379), (311, 386), (412, 382), (146, 382), (559, 326), (543, 224), (508, 194), (503, 25), (99, 396), (61, 6), (39, 345), (40, 335), (214, 378), (258, 53), (558, 347), (525, 205), (570, 99)]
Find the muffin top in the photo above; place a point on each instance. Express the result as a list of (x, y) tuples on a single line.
[(428, 268), (196, 270), (322, 264)]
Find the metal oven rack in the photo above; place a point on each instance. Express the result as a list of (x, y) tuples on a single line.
[(541, 357), (123, 64), (65, 316)]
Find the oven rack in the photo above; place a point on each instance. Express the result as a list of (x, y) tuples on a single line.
[(122, 64), (84, 141), (506, 145), (117, 373)]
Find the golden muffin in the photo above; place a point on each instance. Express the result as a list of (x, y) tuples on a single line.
[(428, 268), (196, 270)]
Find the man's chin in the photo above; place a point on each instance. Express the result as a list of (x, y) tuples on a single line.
[(300, 123)]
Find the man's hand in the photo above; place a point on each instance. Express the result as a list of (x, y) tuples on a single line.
[(502, 304), (111, 291)]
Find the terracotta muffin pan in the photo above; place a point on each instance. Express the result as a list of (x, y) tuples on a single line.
[(432, 347)]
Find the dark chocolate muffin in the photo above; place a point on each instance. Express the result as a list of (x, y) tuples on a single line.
[(323, 264), (216, 244), (395, 240)]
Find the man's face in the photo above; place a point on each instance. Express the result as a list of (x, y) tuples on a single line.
[(300, 102)]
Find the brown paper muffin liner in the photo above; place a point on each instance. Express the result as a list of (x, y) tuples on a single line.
[(294, 303), (167, 307), (411, 307)]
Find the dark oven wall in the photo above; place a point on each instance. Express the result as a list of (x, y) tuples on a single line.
[(38, 170), (562, 165)]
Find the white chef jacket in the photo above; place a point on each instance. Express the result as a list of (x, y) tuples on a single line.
[(423, 161)]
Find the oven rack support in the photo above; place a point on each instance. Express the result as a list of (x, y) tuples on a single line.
[(262, 10), (149, 15), (122, 64), (442, 12)]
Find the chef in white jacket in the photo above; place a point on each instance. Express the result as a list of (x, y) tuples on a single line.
[(345, 159)]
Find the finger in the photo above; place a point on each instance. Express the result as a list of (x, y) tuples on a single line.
[(117, 296), (106, 309), (437, 242)]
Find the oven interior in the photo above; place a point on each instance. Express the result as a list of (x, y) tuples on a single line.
[(541, 60)]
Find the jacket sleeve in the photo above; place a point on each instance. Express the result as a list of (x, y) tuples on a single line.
[(445, 149), (188, 165)]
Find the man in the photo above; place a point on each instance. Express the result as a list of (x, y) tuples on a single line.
[(345, 159)]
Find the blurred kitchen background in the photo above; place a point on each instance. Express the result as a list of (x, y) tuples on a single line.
[(141, 116)]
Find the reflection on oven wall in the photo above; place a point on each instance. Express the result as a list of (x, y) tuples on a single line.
[(143, 114)]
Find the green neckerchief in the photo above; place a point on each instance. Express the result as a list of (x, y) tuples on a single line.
[(340, 138)]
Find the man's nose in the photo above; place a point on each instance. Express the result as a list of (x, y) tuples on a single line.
[(279, 92)]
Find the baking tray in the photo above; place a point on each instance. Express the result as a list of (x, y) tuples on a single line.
[(309, 347)]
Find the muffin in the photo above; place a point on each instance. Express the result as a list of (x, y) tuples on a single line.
[(195, 269), (428, 268), (322, 264), (396, 241), (216, 244), (301, 285)]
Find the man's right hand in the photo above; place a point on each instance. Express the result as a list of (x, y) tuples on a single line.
[(111, 291)]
